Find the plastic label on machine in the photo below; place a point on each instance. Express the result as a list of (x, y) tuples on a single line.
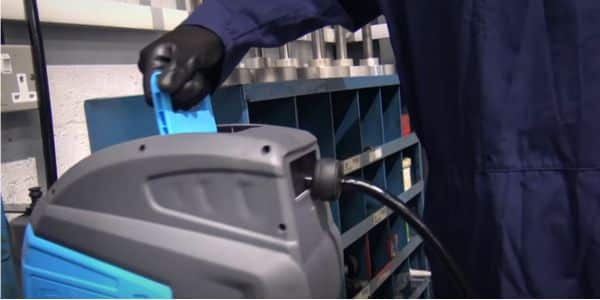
[(199, 119)]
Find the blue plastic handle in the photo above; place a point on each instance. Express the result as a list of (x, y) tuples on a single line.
[(198, 119)]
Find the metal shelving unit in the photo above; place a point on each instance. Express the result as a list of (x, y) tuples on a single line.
[(357, 120)]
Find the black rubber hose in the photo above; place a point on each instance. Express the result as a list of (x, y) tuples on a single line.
[(396, 204)]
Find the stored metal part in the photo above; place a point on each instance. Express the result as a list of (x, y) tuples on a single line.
[(255, 62), (285, 59), (369, 61), (258, 61), (340, 42), (309, 73), (341, 49), (363, 70), (275, 74), (195, 3), (318, 44), (287, 62), (18, 84), (282, 69), (259, 52), (284, 51), (239, 75), (313, 72), (269, 62), (369, 64), (346, 62), (321, 66), (318, 48), (389, 69), (320, 62), (367, 41)]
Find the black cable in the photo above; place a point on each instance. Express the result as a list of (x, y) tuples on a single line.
[(3, 38), (396, 204), (41, 82)]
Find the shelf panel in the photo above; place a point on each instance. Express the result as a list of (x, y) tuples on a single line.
[(267, 91), (280, 112), (391, 106), (360, 229), (372, 155), (374, 173), (378, 245), (353, 209), (314, 116), (420, 289), (389, 268), (346, 124)]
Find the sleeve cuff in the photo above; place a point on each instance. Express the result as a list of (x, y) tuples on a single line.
[(215, 17)]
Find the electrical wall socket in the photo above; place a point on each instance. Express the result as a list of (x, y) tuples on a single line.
[(18, 80)]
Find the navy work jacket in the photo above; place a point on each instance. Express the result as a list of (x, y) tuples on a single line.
[(505, 97)]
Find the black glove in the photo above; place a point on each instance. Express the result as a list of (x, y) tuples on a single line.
[(189, 58)]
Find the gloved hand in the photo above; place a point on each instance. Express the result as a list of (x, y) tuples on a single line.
[(189, 58)]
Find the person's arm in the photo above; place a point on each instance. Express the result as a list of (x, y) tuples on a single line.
[(199, 54), (242, 24)]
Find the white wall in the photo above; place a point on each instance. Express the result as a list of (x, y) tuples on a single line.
[(70, 86), (83, 63)]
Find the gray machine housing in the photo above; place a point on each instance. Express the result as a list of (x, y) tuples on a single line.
[(211, 215)]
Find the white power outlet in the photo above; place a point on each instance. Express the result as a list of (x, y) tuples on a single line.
[(24, 95)]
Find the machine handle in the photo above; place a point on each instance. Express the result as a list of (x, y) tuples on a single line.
[(200, 118)]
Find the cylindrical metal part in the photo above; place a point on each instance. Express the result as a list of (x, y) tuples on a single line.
[(45, 108), (287, 62), (313, 72), (275, 74), (257, 59), (318, 44), (345, 62), (340, 42), (389, 69), (255, 62), (367, 41), (255, 52), (284, 51), (320, 62), (366, 70), (370, 61), (192, 4), (239, 75)]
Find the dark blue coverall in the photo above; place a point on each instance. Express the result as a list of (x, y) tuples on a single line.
[(505, 96)]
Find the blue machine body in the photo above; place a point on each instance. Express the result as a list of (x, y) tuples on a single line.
[(10, 286), (53, 271)]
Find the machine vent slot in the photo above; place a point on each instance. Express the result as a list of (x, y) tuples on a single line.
[(300, 168), (234, 128)]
